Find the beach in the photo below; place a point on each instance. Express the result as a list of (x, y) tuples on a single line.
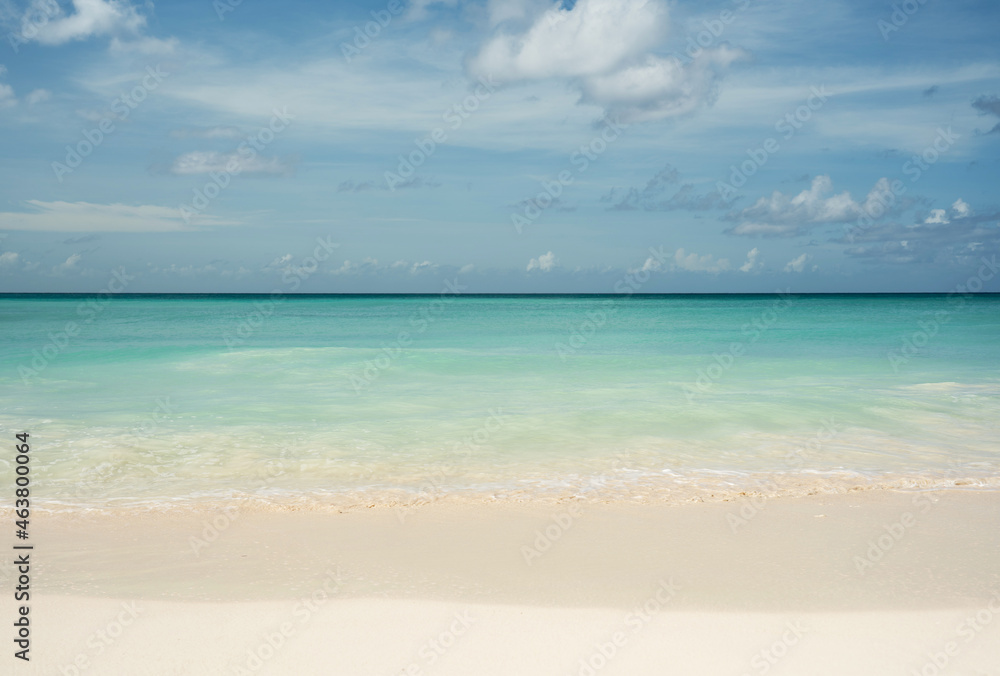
[(869, 582)]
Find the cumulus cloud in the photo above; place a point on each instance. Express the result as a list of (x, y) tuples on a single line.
[(68, 265), (959, 209), (545, 262), (604, 48), (8, 99), (681, 260), (9, 259), (659, 87), (367, 265), (752, 263), (278, 263), (695, 263), (782, 215), (88, 217), (798, 263), (203, 162), (953, 236), (424, 266)]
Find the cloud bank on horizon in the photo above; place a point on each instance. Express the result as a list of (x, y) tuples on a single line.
[(519, 145)]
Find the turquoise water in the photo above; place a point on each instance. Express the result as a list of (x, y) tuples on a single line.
[(347, 400)]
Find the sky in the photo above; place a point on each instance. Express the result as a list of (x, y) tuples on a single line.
[(486, 146)]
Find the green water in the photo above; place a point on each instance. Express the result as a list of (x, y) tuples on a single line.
[(164, 399)]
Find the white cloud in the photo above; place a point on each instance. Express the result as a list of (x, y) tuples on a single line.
[(545, 262), (797, 264), (203, 162), (426, 266), (651, 265), (695, 263), (37, 96), (959, 209), (9, 258), (661, 87), (67, 265), (603, 46), (90, 18), (88, 217), (752, 263), (786, 215), (466, 269), (593, 38), (937, 216), (278, 263)]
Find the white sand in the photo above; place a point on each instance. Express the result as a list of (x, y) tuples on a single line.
[(661, 589)]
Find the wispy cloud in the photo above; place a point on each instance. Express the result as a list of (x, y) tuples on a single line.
[(203, 162), (88, 217)]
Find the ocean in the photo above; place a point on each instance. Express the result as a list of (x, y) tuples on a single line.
[(165, 401)]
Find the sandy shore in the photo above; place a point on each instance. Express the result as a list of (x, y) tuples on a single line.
[(864, 583)]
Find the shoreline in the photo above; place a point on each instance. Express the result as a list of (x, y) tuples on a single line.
[(676, 489)]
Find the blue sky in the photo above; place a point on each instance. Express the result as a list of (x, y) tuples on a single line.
[(503, 145)]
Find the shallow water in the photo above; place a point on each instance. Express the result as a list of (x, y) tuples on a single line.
[(161, 400)]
